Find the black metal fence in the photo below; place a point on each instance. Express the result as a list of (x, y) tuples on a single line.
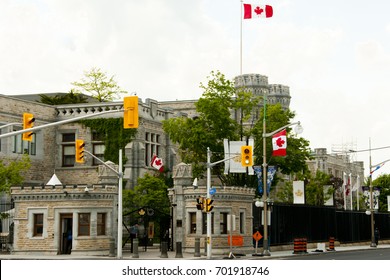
[(318, 224), (6, 226)]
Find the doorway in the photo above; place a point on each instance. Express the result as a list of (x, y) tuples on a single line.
[(66, 240)]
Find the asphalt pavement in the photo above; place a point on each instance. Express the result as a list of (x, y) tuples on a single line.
[(155, 254)]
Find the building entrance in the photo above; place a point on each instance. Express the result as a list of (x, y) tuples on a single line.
[(66, 233)]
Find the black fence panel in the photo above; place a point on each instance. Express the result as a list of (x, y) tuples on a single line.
[(318, 224)]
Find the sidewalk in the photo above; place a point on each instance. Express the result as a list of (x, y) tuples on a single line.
[(155, 254)]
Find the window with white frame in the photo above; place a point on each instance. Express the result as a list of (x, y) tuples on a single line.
[(24, 147), (152, 146), (68, 149)]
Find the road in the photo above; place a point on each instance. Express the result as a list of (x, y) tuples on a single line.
[(369, 254)]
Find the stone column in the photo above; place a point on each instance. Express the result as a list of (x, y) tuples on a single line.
[(182, 176)]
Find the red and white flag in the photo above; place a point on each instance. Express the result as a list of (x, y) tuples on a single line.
[(157, 163), (279, 144), (257, 11)]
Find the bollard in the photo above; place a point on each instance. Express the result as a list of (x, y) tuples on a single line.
[(135, 248), (197, 247), (300, 245), (331, 244), (164, 249), (112, 247), (179, 253)]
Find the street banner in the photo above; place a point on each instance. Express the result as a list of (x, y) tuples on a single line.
[(388, 203), (233, 151), (270, 176), (375, 197), (299, 192), (328, 196), (259, 173)]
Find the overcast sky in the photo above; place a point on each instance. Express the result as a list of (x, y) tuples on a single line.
[(334, 55)]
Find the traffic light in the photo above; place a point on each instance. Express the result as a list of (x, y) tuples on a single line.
[(28, 122), (246, 156), (130, 116), (200, 203), (208, 206), (80, 151)]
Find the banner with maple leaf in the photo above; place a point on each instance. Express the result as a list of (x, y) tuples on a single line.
[(279, 144), (157, 163)]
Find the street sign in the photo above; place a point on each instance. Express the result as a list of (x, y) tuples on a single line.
[(213, 191), (257, 236)]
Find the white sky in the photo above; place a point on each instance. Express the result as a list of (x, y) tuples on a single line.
[(334, 55)]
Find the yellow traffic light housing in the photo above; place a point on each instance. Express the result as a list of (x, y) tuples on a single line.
[(28, 122), (200, 203), (130, 115), (247, 156), (80, 151), (208, 206)]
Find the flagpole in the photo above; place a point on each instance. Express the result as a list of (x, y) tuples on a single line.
[(344, 196), (357, 192), (350, 189), (241, 39)]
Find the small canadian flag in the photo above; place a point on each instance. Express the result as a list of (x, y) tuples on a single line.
[(257, 11), (157, 163), (279, 144)]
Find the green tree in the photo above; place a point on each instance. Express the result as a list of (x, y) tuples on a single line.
[(314, 189), (151, 191), (11, 172), (383, 181), (69, 98), (99, 85), (214, 123)]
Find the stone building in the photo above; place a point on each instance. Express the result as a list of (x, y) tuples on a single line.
[(339, 166), (53, 148), (64, 219), (189, 223)]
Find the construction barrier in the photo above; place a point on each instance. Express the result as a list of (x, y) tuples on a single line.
[(300, 245), (331, 244)]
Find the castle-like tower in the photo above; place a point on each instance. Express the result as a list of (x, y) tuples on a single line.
[(258, 85)]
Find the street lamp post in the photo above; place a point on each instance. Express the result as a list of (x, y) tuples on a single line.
[(373, 243), (298, 129)]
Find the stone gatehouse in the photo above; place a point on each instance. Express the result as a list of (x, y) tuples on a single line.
[(189, 223), (65, 219)]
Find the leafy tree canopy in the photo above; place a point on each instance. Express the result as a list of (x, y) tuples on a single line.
[(58, 99), (214, 122), (383, 181), (151, 191), (11, 173), (99, 85)]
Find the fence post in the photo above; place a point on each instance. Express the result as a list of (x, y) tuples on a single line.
[(164, 249), (135, 248), (197, 247)]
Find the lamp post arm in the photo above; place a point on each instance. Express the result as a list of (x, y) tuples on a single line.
[(383, 162), (280, 129)]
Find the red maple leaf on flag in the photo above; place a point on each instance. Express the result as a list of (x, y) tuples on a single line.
[(258, 10), (280, 142), (158, 162)]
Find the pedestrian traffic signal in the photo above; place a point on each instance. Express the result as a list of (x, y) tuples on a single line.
[(208, 206), (28, 122), (80, 151), (200, 202), (246, 156), (130, 115)]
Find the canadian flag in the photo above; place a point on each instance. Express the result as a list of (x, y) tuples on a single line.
[(157, 163), (256, 11), (279, 144)]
